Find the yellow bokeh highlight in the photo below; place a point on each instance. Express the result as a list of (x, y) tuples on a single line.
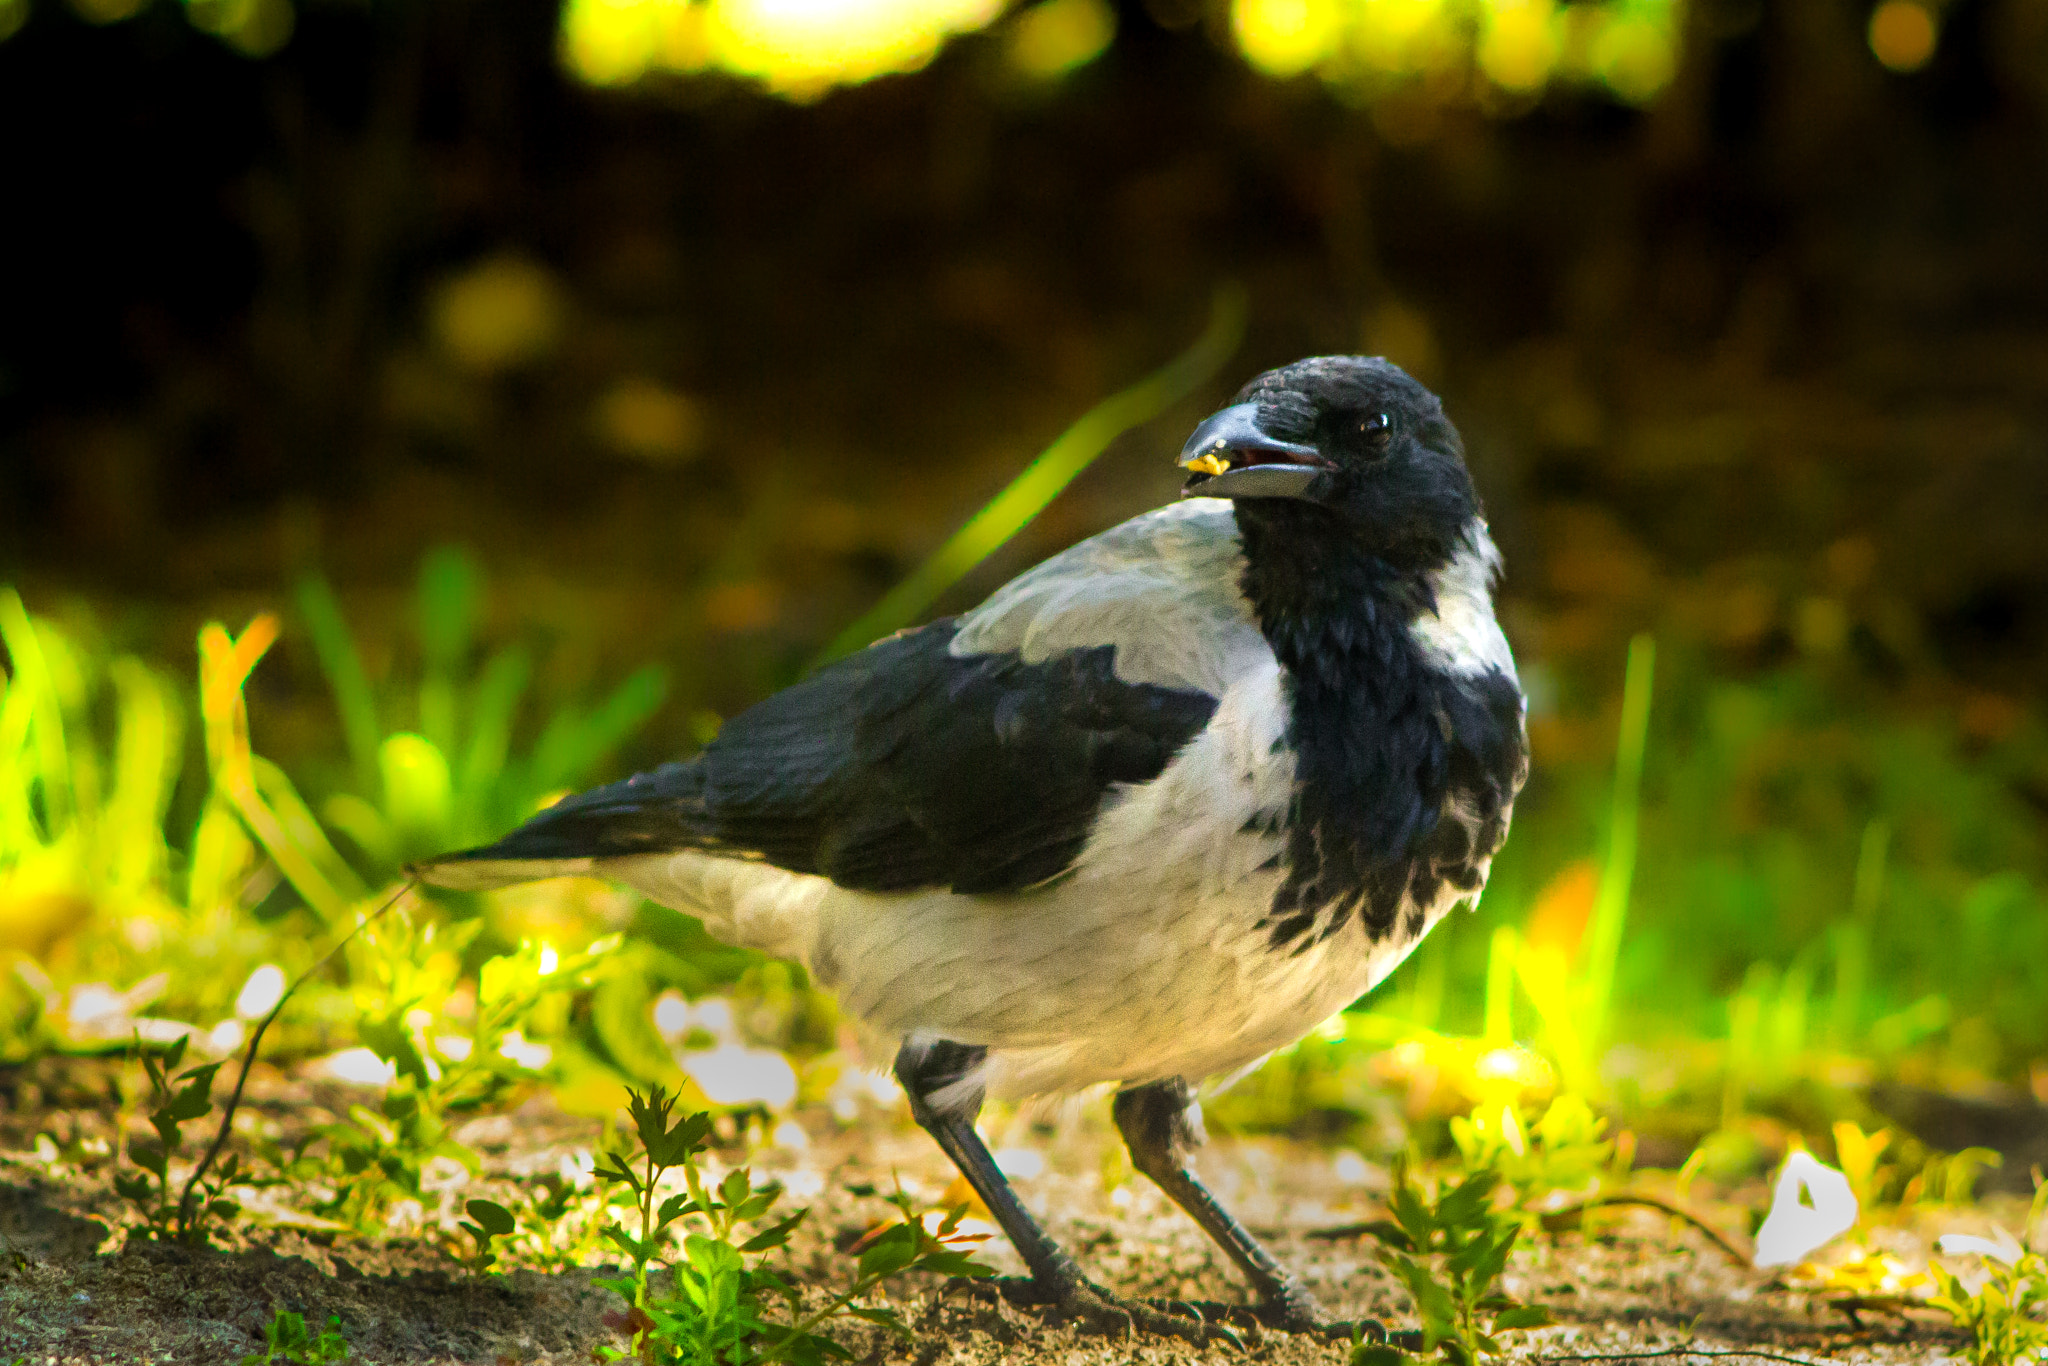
[(646, 420), (104, 11), (1405, 37), (615, 42), (1057, 36), (501, 314), (1286, 37), (798, 48), (1902, 34), (254, 28), (1635, 56), (1407, 57), (1520, 45)]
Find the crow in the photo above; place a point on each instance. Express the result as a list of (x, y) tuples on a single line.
[(1156, 808)]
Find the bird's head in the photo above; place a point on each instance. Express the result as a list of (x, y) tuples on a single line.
[(1339, 445)]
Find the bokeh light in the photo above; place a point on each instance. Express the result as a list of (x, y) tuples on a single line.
[(255, 28), (102, 11), (1057, 36), (1519, 46), (1286, 37), (1902, 34), (796, 48), (1451, 50)]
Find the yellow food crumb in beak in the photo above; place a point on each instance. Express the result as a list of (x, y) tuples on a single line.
[(1212, 463)]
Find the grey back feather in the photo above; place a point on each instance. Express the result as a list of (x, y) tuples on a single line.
[(1162, 588)]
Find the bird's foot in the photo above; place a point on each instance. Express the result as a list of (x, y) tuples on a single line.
[(1294, 1310), (1093, 1309)]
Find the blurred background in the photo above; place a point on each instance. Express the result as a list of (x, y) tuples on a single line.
[(548, 381)]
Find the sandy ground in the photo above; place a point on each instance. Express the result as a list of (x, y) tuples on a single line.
[(74, 1290)]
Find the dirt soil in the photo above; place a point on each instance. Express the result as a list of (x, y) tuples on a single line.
[(75, 1289)]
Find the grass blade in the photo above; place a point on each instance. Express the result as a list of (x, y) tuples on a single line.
[(1070, 453), (1610, 910), (336, 650)]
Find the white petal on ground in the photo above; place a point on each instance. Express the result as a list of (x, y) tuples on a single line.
[(519, 1050), (356, 1066), (1811, 1205), (671, 1016), (2005, 1248), (733, 1074), (261, 993)]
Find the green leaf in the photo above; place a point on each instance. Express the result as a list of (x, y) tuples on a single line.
[(952, 1264), (1379, 1354), (1390, 1233), (1413, 1216), (494, 1217), (1466, 1204), (894, 1249), (882, 1318), (674, 1208), (775, 1235), (628, 1244), (1522, 1316)]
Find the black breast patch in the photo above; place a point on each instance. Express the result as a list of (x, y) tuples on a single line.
[(903, 766), (1406, 778)]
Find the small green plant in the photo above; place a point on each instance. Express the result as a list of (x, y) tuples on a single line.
[(1565, 1150), (2007, 1317), (452, 1050), (287, 1339), (175, 1100), (488, 1220), (720, 1287), (1449, 1253)]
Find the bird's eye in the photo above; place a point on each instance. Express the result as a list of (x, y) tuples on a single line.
[(1376, 428)]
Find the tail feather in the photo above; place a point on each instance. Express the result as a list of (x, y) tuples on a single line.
[(647, 813), (474, 870)]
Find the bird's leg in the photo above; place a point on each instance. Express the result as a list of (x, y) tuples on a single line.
[(1162, 1124), (1056, 1279)]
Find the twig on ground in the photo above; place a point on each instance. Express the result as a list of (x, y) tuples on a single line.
[(1682, 1352), (1676, 1211), (1340, 1232)]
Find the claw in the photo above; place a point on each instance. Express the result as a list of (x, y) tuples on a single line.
[(1095, 1310)]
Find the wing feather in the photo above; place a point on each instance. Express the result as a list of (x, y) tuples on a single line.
[(972, 754)]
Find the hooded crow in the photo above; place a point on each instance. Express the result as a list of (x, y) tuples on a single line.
[(1156, 808)]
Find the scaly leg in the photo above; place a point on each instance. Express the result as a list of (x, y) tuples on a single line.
[(1161, 1125), (1056, 1279)]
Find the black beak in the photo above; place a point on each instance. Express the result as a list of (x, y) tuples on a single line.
[(1229, 457)]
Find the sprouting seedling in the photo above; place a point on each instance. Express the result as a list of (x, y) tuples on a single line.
[(720, 1286), (487, 1220), (663, 1146), (287, 1339), (175, 1099), (1448, 1254)]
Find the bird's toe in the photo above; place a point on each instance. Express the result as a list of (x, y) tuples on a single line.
[(1094, 1310)]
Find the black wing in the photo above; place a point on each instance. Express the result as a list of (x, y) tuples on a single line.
[(901, 767)]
